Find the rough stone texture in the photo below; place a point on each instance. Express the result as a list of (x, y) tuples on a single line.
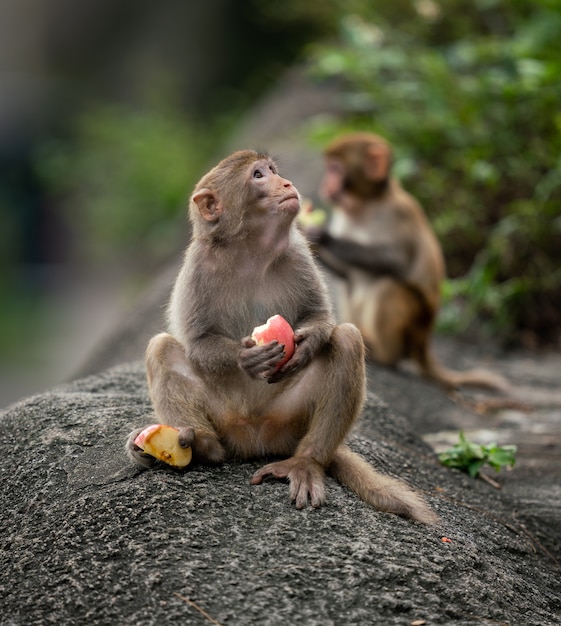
[(87, 538)]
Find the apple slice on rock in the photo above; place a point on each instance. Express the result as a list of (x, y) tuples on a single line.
[(162, 442), (276, 328)]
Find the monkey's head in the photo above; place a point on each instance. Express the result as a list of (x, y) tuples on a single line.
[(241, 195), (357, 164)]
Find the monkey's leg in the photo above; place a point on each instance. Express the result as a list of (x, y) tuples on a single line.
[(387, 319), (331, 392), (179, 400)]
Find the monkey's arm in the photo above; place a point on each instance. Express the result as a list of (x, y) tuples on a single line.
[(327, 258), (378, 259), (213, 354)]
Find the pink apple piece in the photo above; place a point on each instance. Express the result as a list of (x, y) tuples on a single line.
[(276, 329)]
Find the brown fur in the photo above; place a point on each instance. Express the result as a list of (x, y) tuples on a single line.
[(247, 261), (381, 243)]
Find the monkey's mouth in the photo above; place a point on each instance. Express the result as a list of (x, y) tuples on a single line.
[(291, 198)]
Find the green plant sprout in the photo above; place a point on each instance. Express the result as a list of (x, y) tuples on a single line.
[(471, 457)]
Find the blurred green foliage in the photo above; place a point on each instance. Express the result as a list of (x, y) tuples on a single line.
[(469, 95), (467, 91), (123, 178)]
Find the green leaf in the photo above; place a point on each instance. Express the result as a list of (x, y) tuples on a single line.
[(474, 467), (471, 457), (499, 457)]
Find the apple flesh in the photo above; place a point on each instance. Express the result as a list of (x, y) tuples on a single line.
[(276, 329), (162, 442)]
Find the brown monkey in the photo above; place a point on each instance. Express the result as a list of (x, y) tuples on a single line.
[(380, 242), (246, 262)]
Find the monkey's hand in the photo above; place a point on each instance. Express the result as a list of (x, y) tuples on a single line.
[(306, 477), (308, 344), (260, 361)]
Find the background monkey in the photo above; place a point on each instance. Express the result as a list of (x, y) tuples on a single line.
[(380, 241), (246, 262)]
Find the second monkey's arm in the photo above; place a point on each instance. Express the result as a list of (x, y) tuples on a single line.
[(379, 259)]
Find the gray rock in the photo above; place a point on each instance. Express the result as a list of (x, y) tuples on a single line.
[(90, 539)]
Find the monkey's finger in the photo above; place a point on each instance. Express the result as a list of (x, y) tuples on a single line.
[(257, 478), (261, 361), (299, 494), (275, 470), (186, 436), (290, 367), (275, 376), (317, 494), (260, 474), (308, 487), (279, 375), (262, 353), (248, 342)]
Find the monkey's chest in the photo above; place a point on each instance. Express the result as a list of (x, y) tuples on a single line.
[(244, 310)]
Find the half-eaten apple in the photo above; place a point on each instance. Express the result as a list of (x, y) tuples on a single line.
[(162, 442), (276, 328)]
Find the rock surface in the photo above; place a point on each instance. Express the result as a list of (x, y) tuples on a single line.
[(89, 538)]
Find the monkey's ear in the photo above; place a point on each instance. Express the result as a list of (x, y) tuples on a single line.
[(377, 162), (209, 206)]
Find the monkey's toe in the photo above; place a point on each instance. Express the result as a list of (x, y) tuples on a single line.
[(136, 454), (186, 436), (306, 478)]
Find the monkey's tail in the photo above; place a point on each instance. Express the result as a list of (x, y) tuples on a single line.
[(379, 490), (453, 379)]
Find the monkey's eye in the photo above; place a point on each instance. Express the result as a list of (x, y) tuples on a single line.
[(257, 174), (334, 167)]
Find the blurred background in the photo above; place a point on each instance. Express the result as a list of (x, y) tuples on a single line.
[(110, 111)]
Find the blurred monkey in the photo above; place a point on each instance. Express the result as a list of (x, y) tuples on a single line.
[(380, 242)]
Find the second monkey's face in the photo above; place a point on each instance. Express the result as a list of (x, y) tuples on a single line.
[(333, 182), (272, 192)]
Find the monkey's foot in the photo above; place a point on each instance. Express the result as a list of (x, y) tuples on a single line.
[(306, 477), (136, 454)]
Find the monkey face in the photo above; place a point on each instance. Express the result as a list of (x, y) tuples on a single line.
[(357, 166), (333, 182), (271, 191)]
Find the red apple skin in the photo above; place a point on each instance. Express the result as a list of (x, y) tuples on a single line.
[(142, 436), (276, 329)]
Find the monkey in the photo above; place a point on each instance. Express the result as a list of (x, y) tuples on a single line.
[(246, 261), (380, 242)]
